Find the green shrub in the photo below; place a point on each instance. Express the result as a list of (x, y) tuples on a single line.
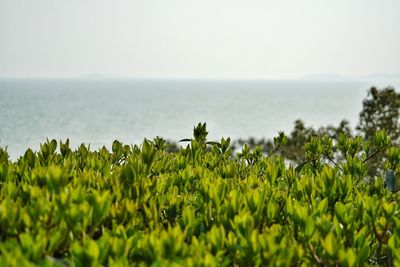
[(200, 206)]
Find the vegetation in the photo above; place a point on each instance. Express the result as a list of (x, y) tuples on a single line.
[(381, 111), (204, 205), (198, 206)]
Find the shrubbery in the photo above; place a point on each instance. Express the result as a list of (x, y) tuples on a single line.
[(201, 205), (380, 111), (316, 197)]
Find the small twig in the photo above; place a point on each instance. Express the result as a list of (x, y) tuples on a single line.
[(382, 234), (319, 261), (273, 151), (372, 155), (331, 160), (389, 259), (377, 235)]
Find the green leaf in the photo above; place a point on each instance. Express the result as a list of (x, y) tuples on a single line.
[(300, 166), (330, 244), (347, 257), (310, 227), (363, 255), (323, 206)]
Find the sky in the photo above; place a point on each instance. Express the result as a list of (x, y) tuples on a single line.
[(199, 38)]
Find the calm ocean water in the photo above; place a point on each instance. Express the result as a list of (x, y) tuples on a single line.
[(100, 111)]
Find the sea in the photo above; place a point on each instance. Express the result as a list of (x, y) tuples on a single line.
[(98, 111)]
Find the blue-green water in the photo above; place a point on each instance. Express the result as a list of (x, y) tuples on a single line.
[(100, 111)]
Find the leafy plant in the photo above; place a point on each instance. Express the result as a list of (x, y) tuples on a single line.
[(202, 205)]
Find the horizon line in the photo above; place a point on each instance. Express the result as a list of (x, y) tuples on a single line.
[(307, 77)]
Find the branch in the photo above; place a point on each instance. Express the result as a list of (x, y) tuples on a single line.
[(276, 149), (331, 160), (372, 155), (319, 261)]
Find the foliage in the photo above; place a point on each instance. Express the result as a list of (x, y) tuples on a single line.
[(294, 147), (199, 206), (381, 110)]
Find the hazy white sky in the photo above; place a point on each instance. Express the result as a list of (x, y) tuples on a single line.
[(199, 38)]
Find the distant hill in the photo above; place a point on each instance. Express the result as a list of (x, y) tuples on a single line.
[(395, 77), (102, 76)]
